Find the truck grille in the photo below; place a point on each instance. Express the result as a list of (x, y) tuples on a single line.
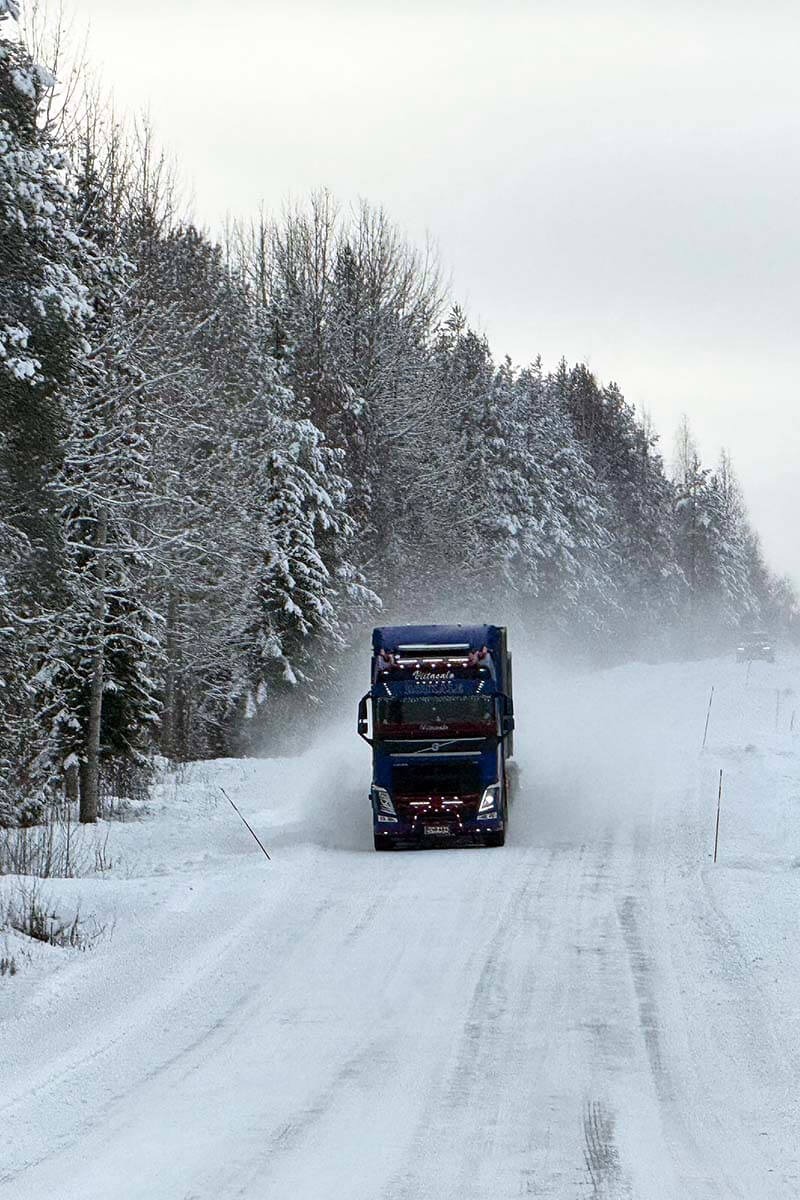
[(452, 779)]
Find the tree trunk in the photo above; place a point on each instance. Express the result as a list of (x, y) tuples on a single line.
[(187, 718), (84, 786), (71, 789), (90, 776), (169, 723)]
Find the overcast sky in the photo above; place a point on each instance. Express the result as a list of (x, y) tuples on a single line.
[(612, 182)]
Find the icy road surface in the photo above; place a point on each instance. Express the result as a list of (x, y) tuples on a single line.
[(595, 1010)]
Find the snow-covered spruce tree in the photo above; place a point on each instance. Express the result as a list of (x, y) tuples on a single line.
[(305, 592), (21, 786), (99, 694), (44, 308), (648, 582), (781, 609), (693, 523), (556, 544), (308, 552), (485, 470), (775, 603), (569, 578), (742, 594), (97, 687), (712, 546)]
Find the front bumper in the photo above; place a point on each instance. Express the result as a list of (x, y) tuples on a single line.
[(430, 831)]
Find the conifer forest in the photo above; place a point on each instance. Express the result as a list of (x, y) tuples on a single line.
[(222, 458)]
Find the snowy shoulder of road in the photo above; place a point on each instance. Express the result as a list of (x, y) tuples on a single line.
[(595, 1009)]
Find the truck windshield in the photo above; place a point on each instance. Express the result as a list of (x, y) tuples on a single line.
[(434, 714)]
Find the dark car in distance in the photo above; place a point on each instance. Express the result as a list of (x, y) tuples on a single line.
[(755, 646)]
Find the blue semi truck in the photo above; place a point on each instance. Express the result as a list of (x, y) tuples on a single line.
[(439, 717)]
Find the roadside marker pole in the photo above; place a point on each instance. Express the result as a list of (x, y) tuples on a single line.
[(777, 706), (708, 715), (747, 676), (244, 822), (719, 802)]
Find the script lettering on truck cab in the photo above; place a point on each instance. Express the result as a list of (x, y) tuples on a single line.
[(434, 681)]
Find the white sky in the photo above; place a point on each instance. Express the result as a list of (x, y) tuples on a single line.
[(617, 183)]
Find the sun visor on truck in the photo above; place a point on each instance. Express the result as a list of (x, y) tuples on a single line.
[(452, 639)]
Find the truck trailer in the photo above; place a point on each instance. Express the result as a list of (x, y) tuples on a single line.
[(439, 717)]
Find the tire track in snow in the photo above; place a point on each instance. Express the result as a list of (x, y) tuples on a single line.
[(641, 912), (359, 1070), (450, 1109), (601, 1155), (489, 1114), (649, 1021), (594, 993)]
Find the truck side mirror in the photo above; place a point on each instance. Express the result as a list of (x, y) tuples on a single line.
[(508, 724), (363, 722)]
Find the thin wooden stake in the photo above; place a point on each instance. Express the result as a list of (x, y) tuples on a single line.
[(241, 818), (719, 803), (708, 715)]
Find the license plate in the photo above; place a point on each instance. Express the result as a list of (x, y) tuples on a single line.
[(437, 830)]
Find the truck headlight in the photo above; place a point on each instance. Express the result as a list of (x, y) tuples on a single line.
[(489, 801), (383, 803)]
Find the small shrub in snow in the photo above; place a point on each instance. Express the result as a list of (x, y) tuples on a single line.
[(58, 849), (45, 851), (29, 913), (124, 789)]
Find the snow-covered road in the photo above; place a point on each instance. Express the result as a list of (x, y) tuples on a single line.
[(593, 1010)]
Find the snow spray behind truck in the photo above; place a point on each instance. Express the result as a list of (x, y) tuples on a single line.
[(441, 716)]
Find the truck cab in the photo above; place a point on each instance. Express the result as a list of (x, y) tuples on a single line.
[(439, 717)]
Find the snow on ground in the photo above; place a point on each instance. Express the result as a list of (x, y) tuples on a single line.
[(596, 1009)]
